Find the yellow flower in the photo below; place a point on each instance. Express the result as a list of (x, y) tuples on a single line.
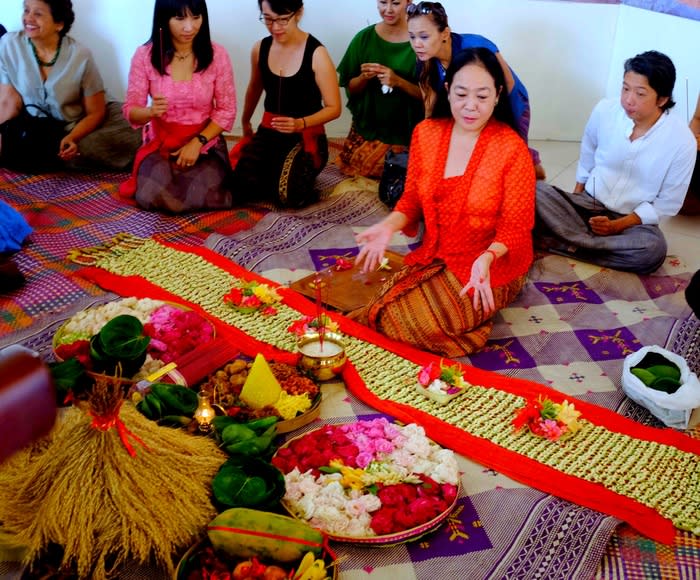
[(567, 414), (352, 478), (266, 294)]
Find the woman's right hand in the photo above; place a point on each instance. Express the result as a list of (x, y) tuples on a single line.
[(373, 241), (369, 70), (247, 129), (159, 105)]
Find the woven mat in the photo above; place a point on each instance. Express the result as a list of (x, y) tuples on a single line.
[(69, 210), (286, 246), (54, 206)]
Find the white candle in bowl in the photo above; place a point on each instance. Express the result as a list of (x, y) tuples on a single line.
[(315, 349)]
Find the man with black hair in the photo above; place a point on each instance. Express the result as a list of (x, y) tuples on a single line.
[(634, 169)]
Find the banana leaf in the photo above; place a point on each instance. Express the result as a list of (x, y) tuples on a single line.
[(248, 482)]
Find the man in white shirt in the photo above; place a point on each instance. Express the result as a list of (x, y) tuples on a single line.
[(635, 166)]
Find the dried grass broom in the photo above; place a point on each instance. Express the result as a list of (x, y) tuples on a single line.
[(109, 486)]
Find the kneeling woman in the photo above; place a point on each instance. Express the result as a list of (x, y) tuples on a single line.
[(183, 164), (478, 205), (281, 160)]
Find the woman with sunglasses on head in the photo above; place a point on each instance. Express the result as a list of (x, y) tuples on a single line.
[(183, 163), (378, 72), (280, 161), (435, 45), (472, 183), (43, 67)]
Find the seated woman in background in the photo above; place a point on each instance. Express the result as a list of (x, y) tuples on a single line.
[(635, 165), (471, 180), (378, 72), (183, 164), (691, 205), (436, 45), (41, 65), (280, 162)]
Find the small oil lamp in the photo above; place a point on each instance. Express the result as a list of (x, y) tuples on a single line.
[(204, 412)]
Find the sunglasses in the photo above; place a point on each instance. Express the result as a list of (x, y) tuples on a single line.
[(423, 8)]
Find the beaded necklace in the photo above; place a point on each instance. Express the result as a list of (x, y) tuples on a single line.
[(55, 56)]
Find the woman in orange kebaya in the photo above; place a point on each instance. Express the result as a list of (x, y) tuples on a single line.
[(472, 182)]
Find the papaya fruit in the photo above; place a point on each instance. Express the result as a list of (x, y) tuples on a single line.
[(244, 533)]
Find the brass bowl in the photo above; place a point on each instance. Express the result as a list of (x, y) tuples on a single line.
[(325, 361)]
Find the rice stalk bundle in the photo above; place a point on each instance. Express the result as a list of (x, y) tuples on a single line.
[(109, 486)]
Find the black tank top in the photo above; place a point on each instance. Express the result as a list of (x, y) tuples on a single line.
[(295, 96)]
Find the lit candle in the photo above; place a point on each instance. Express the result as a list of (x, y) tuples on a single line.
[(204, 414)]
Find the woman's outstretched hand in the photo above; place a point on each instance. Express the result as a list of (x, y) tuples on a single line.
[(373, 241), (479, 285)]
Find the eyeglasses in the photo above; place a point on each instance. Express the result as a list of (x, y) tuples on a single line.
[(283, 21), (423, 8)]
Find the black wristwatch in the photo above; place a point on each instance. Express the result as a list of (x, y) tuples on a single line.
[(202, 139)]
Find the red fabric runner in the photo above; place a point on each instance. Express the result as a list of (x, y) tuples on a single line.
[(518, 467)]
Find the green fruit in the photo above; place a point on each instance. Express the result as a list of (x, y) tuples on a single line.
[(643, 375), (244, 533), (176, 399), (263, 423), (669, 371), (144, 407), (156, 406), (665, 384), (236, 433)]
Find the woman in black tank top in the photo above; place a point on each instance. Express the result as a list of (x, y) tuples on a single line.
[(280, 161)]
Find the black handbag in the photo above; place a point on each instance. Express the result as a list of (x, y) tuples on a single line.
[(393, 177), (30, 143)]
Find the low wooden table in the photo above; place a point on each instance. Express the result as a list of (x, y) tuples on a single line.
[(350, 289)]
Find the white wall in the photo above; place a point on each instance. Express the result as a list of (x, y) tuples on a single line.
[(568, 54), (679, 38)]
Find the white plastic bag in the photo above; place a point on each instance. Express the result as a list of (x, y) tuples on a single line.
[(673, 410)]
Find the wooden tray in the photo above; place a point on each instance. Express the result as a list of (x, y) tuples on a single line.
[(349, 289)]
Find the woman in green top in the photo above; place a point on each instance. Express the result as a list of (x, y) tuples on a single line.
[(378, 72)]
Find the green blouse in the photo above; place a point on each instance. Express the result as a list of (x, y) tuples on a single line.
[(388, 118)]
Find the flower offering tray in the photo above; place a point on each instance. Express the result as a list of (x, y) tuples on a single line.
[(441, 398), (378, 540)]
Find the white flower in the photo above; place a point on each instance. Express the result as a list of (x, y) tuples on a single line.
[(326, 504)]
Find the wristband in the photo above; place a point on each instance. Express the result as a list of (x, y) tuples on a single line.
[(202, 139), (494, 254), (303, 120)]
